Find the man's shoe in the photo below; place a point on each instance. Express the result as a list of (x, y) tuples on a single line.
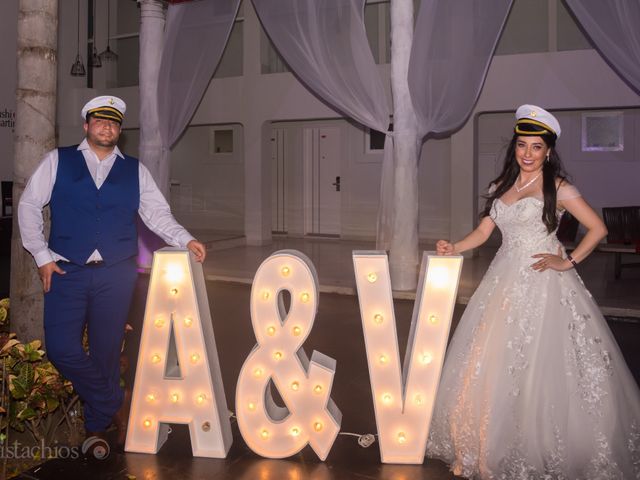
[(96, 446)]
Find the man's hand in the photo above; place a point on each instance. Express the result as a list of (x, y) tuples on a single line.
[(198, 249), (46, 272)]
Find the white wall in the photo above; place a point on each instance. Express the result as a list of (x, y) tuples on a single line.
[(568, 80), (572, 80)]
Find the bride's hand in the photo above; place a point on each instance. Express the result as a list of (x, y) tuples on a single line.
[(444, 247), (549, 260)]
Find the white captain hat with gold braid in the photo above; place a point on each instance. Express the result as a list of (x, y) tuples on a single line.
[(532, 120), (106, 106)]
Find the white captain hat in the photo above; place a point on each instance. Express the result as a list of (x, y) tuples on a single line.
[(533, 120), (106, 106)]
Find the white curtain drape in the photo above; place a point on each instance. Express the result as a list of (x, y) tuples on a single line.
[(450, 53), (452, 48), (195, 37), (188, 52), (325, 45), (614, 28), (324, 42)]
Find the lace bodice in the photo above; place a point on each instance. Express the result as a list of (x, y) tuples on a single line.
[(523, 232)]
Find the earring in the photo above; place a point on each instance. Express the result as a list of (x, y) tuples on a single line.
[(547, 157)]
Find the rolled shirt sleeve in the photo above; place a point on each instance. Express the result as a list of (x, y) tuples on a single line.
[(36, 195), (156, 213)]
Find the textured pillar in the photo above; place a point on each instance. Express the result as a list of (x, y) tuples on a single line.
[(34, 136), (403, 255), (151, 153)]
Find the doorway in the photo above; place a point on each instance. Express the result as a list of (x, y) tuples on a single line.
[(322, 182), (306, 178)]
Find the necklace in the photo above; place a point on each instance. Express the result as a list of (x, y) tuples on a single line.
[(519, 189)]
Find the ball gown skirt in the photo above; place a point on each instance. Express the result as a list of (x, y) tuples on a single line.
[(534, 385)]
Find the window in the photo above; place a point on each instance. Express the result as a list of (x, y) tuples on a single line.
[(221, 141), (526, 29), (231, 61), (374, 140), (270, 59), (570, 37), (127, 43), (377, 23), (602, 132)]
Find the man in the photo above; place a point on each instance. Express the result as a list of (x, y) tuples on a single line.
[(88, 266)]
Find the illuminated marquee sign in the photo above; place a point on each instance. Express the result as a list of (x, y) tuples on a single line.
[(404, 400), (310, 416), (178, 378)]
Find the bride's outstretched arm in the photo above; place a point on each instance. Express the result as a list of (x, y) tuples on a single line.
[(473, 240)]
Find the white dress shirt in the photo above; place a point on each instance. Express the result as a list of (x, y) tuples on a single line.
[(154, 209)]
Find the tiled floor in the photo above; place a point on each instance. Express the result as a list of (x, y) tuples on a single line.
[(333, 262), (338, 311), (351, 392)]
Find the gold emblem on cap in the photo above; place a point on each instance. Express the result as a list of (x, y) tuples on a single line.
[(533, 113), (111, 101)]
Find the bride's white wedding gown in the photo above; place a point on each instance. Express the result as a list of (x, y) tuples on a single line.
[(534, 385)]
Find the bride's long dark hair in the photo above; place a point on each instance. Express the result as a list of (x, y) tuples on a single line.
[(551, 170)]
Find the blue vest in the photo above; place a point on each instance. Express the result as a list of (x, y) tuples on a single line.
[(85, 218)]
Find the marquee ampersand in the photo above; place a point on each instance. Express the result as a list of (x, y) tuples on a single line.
[(309, 415)]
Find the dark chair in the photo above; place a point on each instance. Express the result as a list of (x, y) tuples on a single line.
[(7, 198), (623, 224)]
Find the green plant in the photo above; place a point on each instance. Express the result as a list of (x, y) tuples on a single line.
[(35, 397), (4, 311)]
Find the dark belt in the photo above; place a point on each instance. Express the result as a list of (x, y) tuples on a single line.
[(94, 263)]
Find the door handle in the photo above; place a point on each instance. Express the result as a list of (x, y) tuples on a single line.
[(337, 184)]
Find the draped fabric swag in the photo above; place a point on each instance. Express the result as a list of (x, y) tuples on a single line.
[(614, 29), (324, 43), (195, 36)]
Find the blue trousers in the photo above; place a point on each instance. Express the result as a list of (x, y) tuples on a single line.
[(98, 297)]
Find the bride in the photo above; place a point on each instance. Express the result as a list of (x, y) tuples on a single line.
[(534, 385)]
